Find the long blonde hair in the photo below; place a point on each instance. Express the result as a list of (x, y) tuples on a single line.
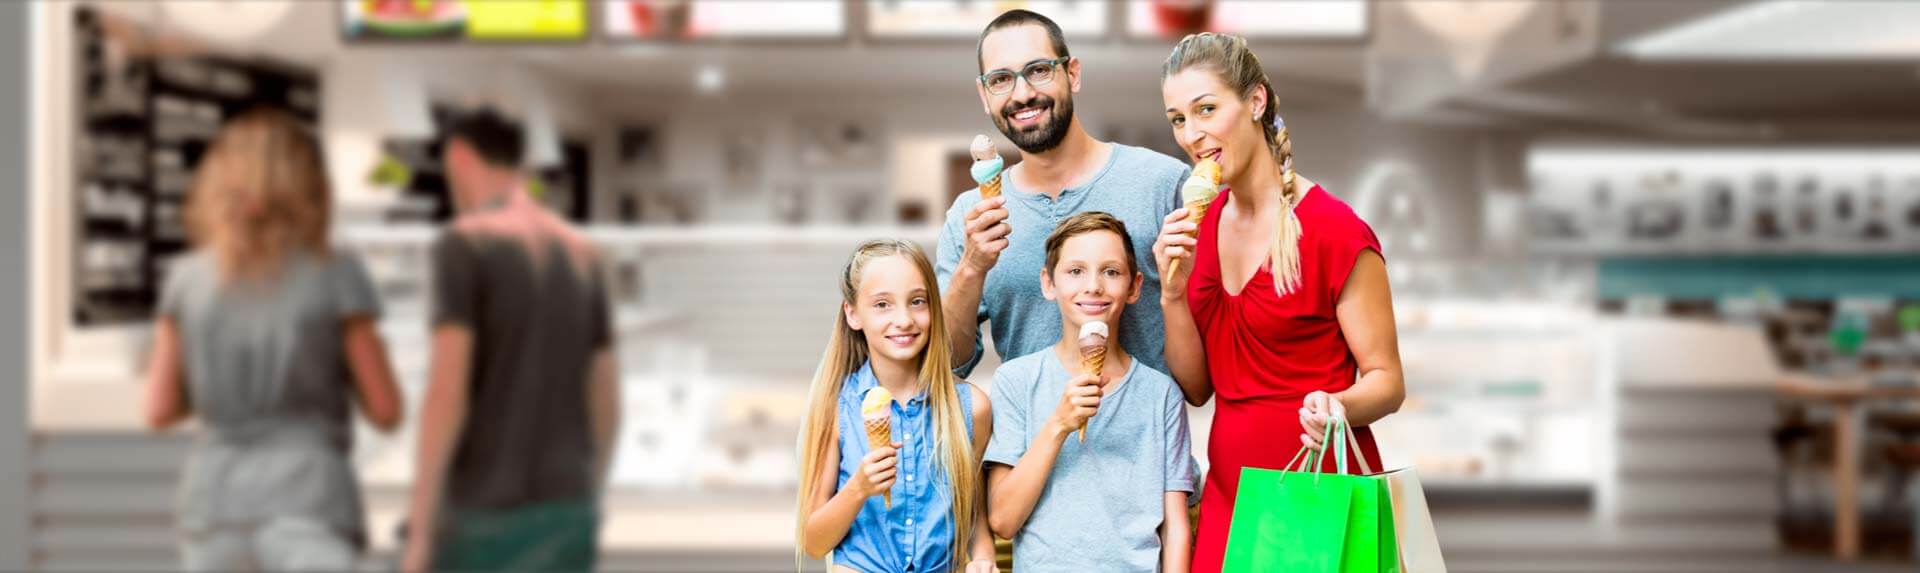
[(261, 190), (847, 352), (1229, 58)]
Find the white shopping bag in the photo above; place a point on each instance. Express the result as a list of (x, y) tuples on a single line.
[(1419, 547)]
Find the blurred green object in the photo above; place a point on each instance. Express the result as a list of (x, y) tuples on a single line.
[(1848, 333), (537, 188), (1909, 318), (545, 536), (391, 173)]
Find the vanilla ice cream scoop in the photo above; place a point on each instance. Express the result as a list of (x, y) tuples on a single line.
[(1095, 328)]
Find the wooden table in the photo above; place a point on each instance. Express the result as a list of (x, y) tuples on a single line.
[(1846, 396)]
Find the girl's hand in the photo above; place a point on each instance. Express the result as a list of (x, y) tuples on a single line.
[(1315, 411), (982, 566), (877, 470), (1175, 243)]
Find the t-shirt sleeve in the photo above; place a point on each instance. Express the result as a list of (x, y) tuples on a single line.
[(1344, 248), (1178, 462), (1009, 440), (952, 245), (174, 292), (354, 295), (456, 288)]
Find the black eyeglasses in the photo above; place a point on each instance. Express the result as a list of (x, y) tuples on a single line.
[(1038, 73)]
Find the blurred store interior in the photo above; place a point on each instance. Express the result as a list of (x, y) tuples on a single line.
[(1656, 265)]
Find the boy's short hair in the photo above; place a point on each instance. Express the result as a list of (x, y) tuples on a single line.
[(497, 140), (1081, 224)]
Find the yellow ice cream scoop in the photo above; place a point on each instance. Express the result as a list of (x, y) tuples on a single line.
[(875, 402)]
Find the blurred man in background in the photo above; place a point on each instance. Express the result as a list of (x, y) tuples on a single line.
[(522, 406)]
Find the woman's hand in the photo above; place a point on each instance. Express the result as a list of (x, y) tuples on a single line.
[(1175, 243), (983, 566), (1315, 411), (877, 471)]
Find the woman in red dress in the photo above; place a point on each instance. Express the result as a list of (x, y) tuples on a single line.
[(1282, 307)]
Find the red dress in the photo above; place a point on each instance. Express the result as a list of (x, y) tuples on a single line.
[(1266, 353)]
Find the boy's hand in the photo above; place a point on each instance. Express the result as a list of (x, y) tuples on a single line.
[(982, 566), (876, 471), (1079, 402)]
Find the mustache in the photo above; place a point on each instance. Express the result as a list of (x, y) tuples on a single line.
[(1008, 110)]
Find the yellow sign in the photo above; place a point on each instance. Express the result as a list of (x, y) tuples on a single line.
[(526, 19)]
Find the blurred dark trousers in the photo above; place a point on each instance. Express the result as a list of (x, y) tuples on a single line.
[(548, 536)]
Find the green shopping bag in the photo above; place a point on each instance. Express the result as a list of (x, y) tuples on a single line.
[(1308, 521)]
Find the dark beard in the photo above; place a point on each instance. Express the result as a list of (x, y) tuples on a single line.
[(1043, 137)]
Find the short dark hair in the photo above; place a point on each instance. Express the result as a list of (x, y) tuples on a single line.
[(1081, 224), (493, 136), (1017, 17)]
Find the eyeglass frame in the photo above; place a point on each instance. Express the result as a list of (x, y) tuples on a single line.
[(1021, 76)]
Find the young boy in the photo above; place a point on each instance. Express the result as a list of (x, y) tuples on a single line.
[(1118, 500)]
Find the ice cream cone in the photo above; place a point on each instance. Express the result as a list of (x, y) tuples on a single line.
[(1200, 189), (987, 165), (879, 424), (1093, 355)]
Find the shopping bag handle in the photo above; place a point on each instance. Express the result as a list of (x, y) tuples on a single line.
[(1338, 436), (1334, 435)]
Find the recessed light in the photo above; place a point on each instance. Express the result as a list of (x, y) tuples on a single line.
[(710, 79)]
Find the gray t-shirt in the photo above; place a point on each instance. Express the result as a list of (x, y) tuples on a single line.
[(1138, 186), (1103, 503), (536, 328), (268, 379)]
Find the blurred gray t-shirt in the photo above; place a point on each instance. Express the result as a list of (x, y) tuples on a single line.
[(536, 328), (267, 376)]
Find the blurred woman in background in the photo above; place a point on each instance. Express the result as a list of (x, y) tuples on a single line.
[(269, 338)]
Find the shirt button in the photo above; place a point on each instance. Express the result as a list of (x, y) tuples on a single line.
[(906, 437), (909, 478), (909, 521)]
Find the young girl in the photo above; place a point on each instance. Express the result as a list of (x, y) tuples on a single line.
[(890, 334), (269, 338)]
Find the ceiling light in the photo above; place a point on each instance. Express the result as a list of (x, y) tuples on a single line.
[(710, 79)]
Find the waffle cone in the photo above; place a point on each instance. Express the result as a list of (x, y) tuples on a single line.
[(991, 188), (880, 435), (1091, 361), (1196, 210)]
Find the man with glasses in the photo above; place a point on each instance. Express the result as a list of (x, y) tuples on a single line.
[(991, 251)]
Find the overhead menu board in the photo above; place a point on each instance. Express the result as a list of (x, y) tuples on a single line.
[(471, 20), (954, 19), (1252, 19), (661, 20)]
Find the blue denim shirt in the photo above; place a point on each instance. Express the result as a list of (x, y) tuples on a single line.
[(917, 533)]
